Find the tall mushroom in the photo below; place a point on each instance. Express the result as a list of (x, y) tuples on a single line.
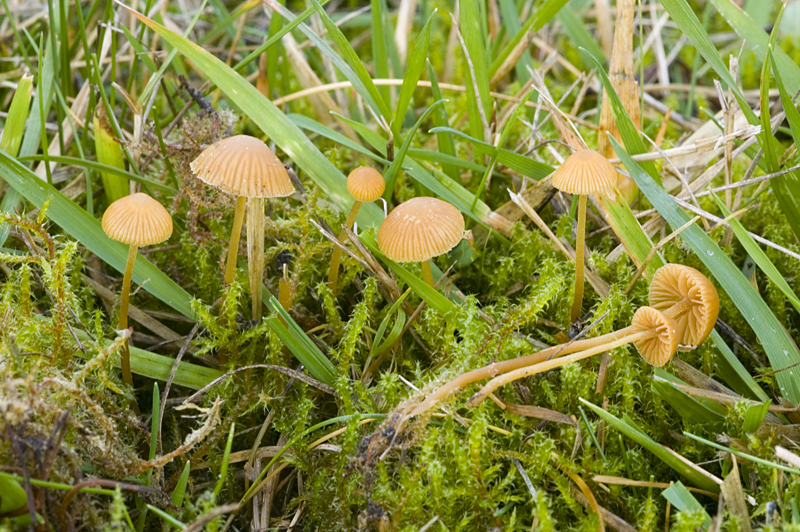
[(246, 168), (135, 220), (365, 184), (420, 229), (687, 296), (654, 334), (583, 173)]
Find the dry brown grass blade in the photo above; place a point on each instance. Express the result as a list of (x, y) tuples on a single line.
[(733, 495), (608, 479), (405, 19), (623, 78), (537, 412)]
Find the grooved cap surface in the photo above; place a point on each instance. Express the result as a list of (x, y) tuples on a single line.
[(585, 172), (658, 349), (365, 184), (420, 229), (689, 298), (243, 166), (137, 220)]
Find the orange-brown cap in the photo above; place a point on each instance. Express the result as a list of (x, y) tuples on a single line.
[(365, 184), (243, 166), (687, 296), (137, 220), (659, 348), (585, 172), (420, 229)]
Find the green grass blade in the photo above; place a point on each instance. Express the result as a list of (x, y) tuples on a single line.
[(274, 124), (789, 107), (375, 98), (179, 492), (86, 230), (755, 416), (416, 62), (776, 342), (758, 255), (394, 170), (444, 140), (154, 421), (380, 59), (17, 115), (166, 517), (512, 25), (629, 429), (223, 473), (684, 501), (474, 41), (577, 32)]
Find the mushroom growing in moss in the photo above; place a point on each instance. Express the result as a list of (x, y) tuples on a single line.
[(365, 184), (583, 173), (420, 229), (136, 220), (245, 167), (654, 334)]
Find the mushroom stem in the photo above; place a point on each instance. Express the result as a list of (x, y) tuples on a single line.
[(236, 232), (527, 371), (333, 274), (123, 312), (579, 245), (255, 252), (426, 272)]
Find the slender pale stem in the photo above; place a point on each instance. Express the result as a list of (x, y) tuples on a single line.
[(123, 313), (333, 274), (255, 252), (426, 272), (233, 249), (535, 369), (579, 245)]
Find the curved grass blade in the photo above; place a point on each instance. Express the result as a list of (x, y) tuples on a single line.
[(86, 230), (416, 62), (777, 344)]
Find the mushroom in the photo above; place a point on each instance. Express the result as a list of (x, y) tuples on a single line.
[(245, 167), (365, 184), (583, 173), (135, 220), (687, 296), (420, 229), (654, 334)]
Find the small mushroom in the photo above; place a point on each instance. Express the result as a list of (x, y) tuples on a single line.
[(654, 334), (583, 173), (135, 220), (245, 167), (688, 297), (420, 229), (365, 184)]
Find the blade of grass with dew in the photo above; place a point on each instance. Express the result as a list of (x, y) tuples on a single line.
[(474, 42), (416, 62), (541, 16), (444, 141), (758, 255), (86, 230), (298, 342), (159, 367), (682, 466), (757, 40), (777, 344), (273, 123), (684, 501), (355, 63), (393, 171), (179, 492), (432, 297), (100, 167), (754, 416)]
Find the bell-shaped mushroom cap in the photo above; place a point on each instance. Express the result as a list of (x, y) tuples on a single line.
[(137, 220), (420, 229), (689, 297), (585, 172), (243, 166), (365, 184), (658, 349)]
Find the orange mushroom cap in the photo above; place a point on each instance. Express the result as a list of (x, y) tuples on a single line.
[(365, 184), (137, 220), (243, 166), (687, 296), (584, 172), (658, 349), (420, 229)]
